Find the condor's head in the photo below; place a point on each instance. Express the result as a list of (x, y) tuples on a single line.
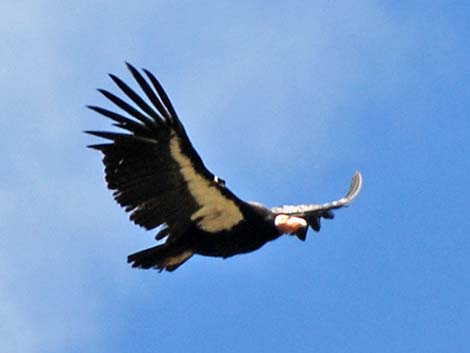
[(290, 224)]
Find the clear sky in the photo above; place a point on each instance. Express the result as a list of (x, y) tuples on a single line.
[(284, 100)]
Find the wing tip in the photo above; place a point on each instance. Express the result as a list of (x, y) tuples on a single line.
[(355, 188)]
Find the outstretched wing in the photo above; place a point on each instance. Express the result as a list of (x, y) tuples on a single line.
[(155, 172), (313, 213)]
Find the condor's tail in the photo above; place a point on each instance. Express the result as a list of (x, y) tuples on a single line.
[(162, 257)]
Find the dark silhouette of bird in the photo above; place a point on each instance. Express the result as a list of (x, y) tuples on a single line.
[(158, 177)]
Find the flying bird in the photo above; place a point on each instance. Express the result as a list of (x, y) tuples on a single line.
[(158, 177)]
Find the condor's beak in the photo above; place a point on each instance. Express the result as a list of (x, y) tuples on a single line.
[(289, 224)]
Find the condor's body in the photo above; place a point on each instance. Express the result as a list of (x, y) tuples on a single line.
[(256, 229)]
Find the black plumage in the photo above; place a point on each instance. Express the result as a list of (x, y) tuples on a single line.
[(156, 175)]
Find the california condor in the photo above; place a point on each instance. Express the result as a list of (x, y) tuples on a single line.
[(158, 176)]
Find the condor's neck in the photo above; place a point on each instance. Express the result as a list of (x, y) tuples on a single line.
[(261, 220)]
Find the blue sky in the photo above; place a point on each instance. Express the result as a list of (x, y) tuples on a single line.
[(285, 102)]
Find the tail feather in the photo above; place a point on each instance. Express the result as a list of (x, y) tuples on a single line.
[(162, 257)]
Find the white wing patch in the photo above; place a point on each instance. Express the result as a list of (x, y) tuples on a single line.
[(217, 212)]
